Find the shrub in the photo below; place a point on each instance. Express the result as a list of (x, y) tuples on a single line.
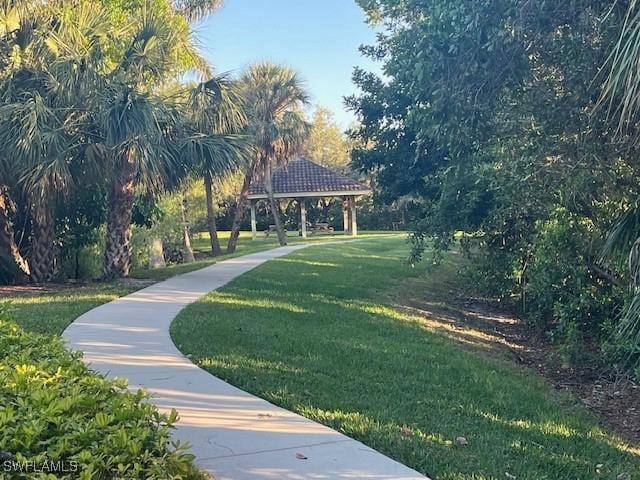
[(54, 409), (81, 264), (564, 296)]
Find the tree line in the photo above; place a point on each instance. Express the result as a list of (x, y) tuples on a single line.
[(96, 121), (511, 128)]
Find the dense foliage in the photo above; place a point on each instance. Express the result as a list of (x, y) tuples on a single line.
[(55, 412), (489, 119), (327, 144), (92, 122)]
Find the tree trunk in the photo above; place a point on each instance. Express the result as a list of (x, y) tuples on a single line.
[(325, 210), (268, 186), (186, 243), (211, 217), (10, 256), (239, 214), (42, 260), (77, 264), (117, 254), (156, 254)]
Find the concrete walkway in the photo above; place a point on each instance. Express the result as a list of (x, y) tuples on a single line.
[(233, 434)]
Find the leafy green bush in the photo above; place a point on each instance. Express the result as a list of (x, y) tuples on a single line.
[(84, 263), (54, 409), (565, 298)]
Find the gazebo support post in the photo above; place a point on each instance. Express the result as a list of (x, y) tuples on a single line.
[(254, 230), (354, 221), (303, 218), (346, 220)]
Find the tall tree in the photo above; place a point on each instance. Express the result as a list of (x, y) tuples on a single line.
[(42, 119), (71, 89), (274, 96), (327, 144), (216, 107), (137, 126), (486, 116)]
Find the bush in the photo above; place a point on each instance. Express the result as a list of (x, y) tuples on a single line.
[(565, 297), (82, 264), (54, 409)]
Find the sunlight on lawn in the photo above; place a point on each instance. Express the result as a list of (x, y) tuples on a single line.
[(237, 362), (395, 379), (238, 301)]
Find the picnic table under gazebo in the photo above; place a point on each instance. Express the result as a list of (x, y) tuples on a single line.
[(302, 179)]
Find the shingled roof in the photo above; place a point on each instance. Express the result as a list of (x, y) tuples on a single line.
[(303, 178)]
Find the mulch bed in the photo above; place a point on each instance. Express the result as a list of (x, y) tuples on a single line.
[(31, 290), (8, 291)]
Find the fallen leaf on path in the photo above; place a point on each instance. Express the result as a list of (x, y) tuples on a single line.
[(301, 456)]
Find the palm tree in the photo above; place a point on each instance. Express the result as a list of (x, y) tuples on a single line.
[(274, 96), (135, 150), (70, 88), (216, 107), (39, 120), (186, 231), (34, 133), (139, 127), (621, 95)]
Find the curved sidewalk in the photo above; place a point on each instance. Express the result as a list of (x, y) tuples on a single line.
[(234, 435)]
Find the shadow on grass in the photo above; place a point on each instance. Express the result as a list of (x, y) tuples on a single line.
[(312, 333), (52, 312)]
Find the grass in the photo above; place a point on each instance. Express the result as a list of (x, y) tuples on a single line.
[(51, 310), (313, 332), (201, 244)]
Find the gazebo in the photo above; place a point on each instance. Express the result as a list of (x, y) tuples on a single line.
[(302, 179)]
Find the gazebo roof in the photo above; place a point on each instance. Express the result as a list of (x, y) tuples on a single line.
[(303, 178)]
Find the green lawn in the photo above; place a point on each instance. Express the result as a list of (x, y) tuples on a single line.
[(50, 311), (201, 244), (312, 332)]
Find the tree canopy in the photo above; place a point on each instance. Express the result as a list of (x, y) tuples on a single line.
[(488, 117), (88, 100), (327, 144)]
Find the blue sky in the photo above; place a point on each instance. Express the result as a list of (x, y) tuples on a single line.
[(319, 38)]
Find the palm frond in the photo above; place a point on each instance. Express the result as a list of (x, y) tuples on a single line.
[(161, 47), (31, 129), (195, 10), (217, 155), (624, 239), (621, 90), (274, 97), (624, 233), (217, 106)]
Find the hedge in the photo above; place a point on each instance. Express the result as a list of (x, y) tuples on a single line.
[(60, 420)]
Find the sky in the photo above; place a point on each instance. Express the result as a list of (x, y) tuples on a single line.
[(319, 38)]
